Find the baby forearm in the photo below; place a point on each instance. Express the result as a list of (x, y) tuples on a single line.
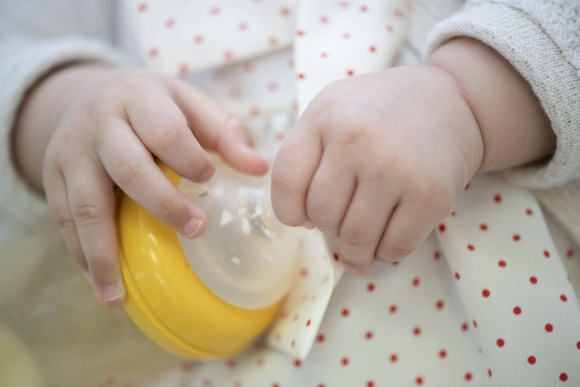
[(514, 128)]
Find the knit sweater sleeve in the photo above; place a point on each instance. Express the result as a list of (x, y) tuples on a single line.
[(542, 41), (35, 40)]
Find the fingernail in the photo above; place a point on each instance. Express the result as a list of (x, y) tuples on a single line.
[(112, 293), (191, 227)]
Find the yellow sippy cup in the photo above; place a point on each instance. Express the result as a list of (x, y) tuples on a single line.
[(213, 296)]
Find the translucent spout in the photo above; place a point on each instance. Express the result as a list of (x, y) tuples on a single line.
[(246, 256)]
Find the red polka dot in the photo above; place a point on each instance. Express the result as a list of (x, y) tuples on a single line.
[(418, 380), (464, 327), (371, 287), (373, 49), (186, 366), (516, 237), (563, 376), (345, 312), (470, 247), (416, 281), (369, 335), (393, 358), (549, 328), (546, 254), (142, 7), (170, 23), (569, 253), (335, 257), (485, 293), (532, 360), (297, 363), (350, 72), (443, 354), (457, 276), (468, 376), (308, 322), (563, 298), (483, 227), (229, 55), (344, 361), (393, 309), (497, 198), (578, 344), (501, 263), (416, 331), (183, 69), (533, 280), (474, 323), (320, 338), (302, 76), (500, 342), (441, 228), (489, 373), (440, 304), (436, 255), (529, 212), (517, 310)]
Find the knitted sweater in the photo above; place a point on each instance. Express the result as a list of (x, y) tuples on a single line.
[(540, 39)]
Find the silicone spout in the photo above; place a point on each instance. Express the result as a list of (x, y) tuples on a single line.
[(245, 256)]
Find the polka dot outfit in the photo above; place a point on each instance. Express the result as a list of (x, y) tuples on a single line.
[(489, 299)]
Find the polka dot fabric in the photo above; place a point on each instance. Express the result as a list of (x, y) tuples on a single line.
[(485, 301), (338, 39), (181, 36)]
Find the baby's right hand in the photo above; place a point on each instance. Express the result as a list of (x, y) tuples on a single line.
[(108, 132)]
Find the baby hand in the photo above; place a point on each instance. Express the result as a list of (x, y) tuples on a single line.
[(376, 161), (109, 133)]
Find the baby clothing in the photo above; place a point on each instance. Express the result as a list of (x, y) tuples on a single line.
[(490, 298)]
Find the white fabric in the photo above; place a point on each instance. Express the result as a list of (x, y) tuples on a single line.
[(490, 299)]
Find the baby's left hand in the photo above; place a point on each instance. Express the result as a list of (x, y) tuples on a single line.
[(376, 162)]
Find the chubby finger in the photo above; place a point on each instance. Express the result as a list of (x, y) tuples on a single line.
[(163, 128), (408, 227), (92, 206), (330, 193), (364, 225), (217, 130), (130, 165), (292, 172), (58, 201)]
